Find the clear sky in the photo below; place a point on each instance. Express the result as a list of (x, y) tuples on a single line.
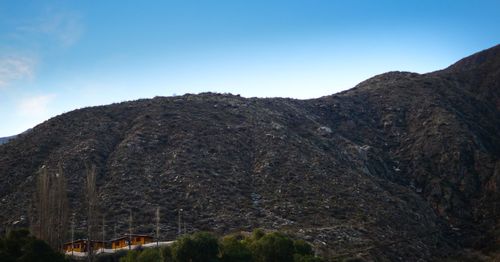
[(56, 56)]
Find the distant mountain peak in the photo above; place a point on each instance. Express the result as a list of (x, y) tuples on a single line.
[(6, 139)]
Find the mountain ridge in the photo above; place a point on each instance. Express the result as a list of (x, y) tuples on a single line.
[(6, 139), (399, 156)]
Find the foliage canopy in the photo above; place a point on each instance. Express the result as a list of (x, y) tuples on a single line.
[(21, 246), (256, 247)]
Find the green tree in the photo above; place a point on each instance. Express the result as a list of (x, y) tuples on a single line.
[(257, 234), (306, 258), (181, 249), (130, 257), (166, 254), (39, 251), (233, 249), (301, 247), (15, 241), (149, 255), (21, 246), (303, 252), (115, 257), (205, 247), (200, 247), (51, 206), (250, 241), (4, 255), (273, 247)]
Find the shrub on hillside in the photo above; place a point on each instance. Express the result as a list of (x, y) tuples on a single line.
[(303, 252), (166, 254), (199, 247), (205, 247), (131, 256), (301, 247), (306, 258), (115, 257), (233, 249), (150, 255), (273, 247)]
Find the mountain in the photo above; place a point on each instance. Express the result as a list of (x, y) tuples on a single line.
[(403, 166), (6, 139)]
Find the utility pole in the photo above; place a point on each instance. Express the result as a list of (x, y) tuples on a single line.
[(157, 225), (72, 235), (103, 233), (179, 232), (158, 231), (179, 221), (130, 231)]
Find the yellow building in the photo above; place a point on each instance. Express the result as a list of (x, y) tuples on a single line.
[(134, 239), (80, 245)]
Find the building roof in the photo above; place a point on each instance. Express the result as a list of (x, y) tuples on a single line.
[(124, 236), (84, 240)]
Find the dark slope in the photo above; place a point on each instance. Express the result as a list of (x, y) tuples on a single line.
[(403, 166)]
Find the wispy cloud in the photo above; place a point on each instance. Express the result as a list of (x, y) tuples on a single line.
[(14, 68), (65, 27), (36, 106), (62, 27)]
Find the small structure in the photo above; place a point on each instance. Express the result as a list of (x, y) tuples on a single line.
[(134, 239), (80, 245)]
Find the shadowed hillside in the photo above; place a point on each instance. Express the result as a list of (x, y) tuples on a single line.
[(403, 166)]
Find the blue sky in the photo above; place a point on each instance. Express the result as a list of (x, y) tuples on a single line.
[(57, 56)]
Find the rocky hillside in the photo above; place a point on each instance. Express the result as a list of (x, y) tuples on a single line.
[(403, 166)]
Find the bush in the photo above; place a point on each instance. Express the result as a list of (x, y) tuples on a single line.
[(306, 258), (258, 234), (130, 257), (204, 247), (182, 248), (109, 257), (19, 245), (38, 250), (15, 241), (233, 249), (166, 254), (357, 259), (150, 255), (200, 247), (273, 247), (301, 247)]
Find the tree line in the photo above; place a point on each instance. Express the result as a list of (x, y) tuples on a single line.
[(21, 246), (51, 207), (206, 247)]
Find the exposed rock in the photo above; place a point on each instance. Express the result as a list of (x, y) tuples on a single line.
[(402, 167)]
